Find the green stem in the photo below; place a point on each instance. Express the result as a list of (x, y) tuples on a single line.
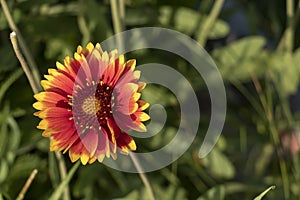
[(282, 164), (63, 174), (210, 21), (290, 28), (21, 40), (115, 16), (60, 189), (275, 136), (143, 176), (287, 40), (117, 22), (82, 25), (122, 13)]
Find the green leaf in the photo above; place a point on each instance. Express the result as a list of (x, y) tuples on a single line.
[(3, 141), (4, 168), (215, 193), (241, 57), (219, 165), (259, 197), (15, 134), (285, 72)]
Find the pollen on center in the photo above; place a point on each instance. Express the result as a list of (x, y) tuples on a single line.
[(91, 105)]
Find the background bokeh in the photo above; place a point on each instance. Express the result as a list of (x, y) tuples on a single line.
[(256, 48)]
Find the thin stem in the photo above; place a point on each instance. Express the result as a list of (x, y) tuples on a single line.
[(27, 185), (115, 16), (287, 39), (14, 42), (122, 13), (82, 25), (209, 22), (297, 15), (117, 23), (59, 190), (23, 46), (290, 29), (142, 175), (275, 135), (63, 174)]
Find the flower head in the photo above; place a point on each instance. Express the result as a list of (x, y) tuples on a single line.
[(88, 104)]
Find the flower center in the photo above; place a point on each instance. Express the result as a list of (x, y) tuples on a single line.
[(92, 105)]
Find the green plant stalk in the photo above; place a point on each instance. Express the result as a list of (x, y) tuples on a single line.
[(282, 164), (60, 189), (122, 13), (34, 85), (297, 15), (143, 176), (115, 16), (287, 40), (210, 21), (82, 25), (23, 46), (275, 136), (63, 174), (117, 23), (290, 29)]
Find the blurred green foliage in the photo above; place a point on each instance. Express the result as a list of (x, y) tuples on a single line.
[(259, 82)]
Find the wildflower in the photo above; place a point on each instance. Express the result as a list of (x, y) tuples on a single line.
[(89, 103)]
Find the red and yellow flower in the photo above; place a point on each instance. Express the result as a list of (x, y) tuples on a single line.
[(89, 102)]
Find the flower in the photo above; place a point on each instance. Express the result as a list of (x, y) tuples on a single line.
[(89, 102)]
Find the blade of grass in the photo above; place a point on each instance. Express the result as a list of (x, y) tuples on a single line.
[(143, 176), (274, 134), (259, 197)]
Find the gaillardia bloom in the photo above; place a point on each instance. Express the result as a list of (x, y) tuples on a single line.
[(88, 104)]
